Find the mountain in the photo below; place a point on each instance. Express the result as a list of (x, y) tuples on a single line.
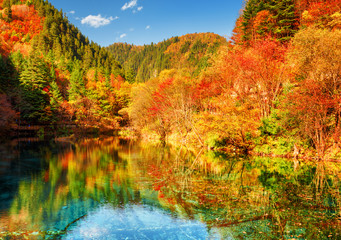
[(52, 74), (191, 51)]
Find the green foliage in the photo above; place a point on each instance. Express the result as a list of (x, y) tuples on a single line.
[(282, 12), (185, 47), (67, 41), (34, 80), (215, 141), (56, 98), (270, 125), (76, 88), (149, 61)]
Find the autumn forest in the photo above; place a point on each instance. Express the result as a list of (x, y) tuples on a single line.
[(272, 89)]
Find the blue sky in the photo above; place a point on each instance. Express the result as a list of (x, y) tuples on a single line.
[(144, 21)]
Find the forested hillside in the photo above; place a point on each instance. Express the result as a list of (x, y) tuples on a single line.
[(273, 89), (191, 51), (276, 91), (52, 74)]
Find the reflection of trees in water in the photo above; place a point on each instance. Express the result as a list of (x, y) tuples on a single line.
[(257, 198), (261, 195), (76, 180)]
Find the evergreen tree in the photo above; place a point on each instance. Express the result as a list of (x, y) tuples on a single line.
[(252, 7), (285, 18), (34, 81), (76, 88), (281, 11), (56, 97)]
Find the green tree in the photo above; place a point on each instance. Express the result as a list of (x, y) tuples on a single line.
[(285, 18), (76, 88), (55, 96), (34, 81), (252, 7)]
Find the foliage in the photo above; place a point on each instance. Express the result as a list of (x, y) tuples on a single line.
[(148, 61), (315, 101), (274, 88), (276, 18), (44, 64)]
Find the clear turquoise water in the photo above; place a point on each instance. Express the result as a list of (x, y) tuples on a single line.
[(110, 189)]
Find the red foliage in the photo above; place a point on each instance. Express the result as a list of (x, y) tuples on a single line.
[(207, 88), (46, 89), (237, 32), (6, 36), (312, 106), (116, 82), (14, 39), (25, 21), (161, 100), (20, 11), (319, 11)]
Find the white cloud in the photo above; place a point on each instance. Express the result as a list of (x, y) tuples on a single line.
[(130, 4), (148, 27), (131, 29), (123, 35), (138, 9), (72, 12), (97, 21)]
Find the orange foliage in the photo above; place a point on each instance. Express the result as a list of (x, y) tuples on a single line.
[(261, 23), (25, 25), (249, 74), (319, 12), (237, 32), (116, 82)]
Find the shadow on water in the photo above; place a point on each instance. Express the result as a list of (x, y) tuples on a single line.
[(100, 188)]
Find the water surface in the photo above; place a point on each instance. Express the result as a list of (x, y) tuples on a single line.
[(110, 189)]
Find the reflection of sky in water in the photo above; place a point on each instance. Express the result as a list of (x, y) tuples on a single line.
[(109, 190), (137, 222)]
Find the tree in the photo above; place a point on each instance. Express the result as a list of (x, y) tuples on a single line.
[(55, 96), (7, 114), (286, 21), (316, 60), (76, 87), (252, 7), (7, 5), (269, 17), (34, 81)]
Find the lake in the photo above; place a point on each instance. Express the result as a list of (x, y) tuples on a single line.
[(114, 189)]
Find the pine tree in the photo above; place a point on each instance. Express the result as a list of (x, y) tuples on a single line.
[(76, 88), (285, 18), (34, 82), (283, 26), (56, 98), (251, 9)]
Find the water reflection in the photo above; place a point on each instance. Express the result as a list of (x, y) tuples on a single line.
[(136, 222), (100, 188)]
